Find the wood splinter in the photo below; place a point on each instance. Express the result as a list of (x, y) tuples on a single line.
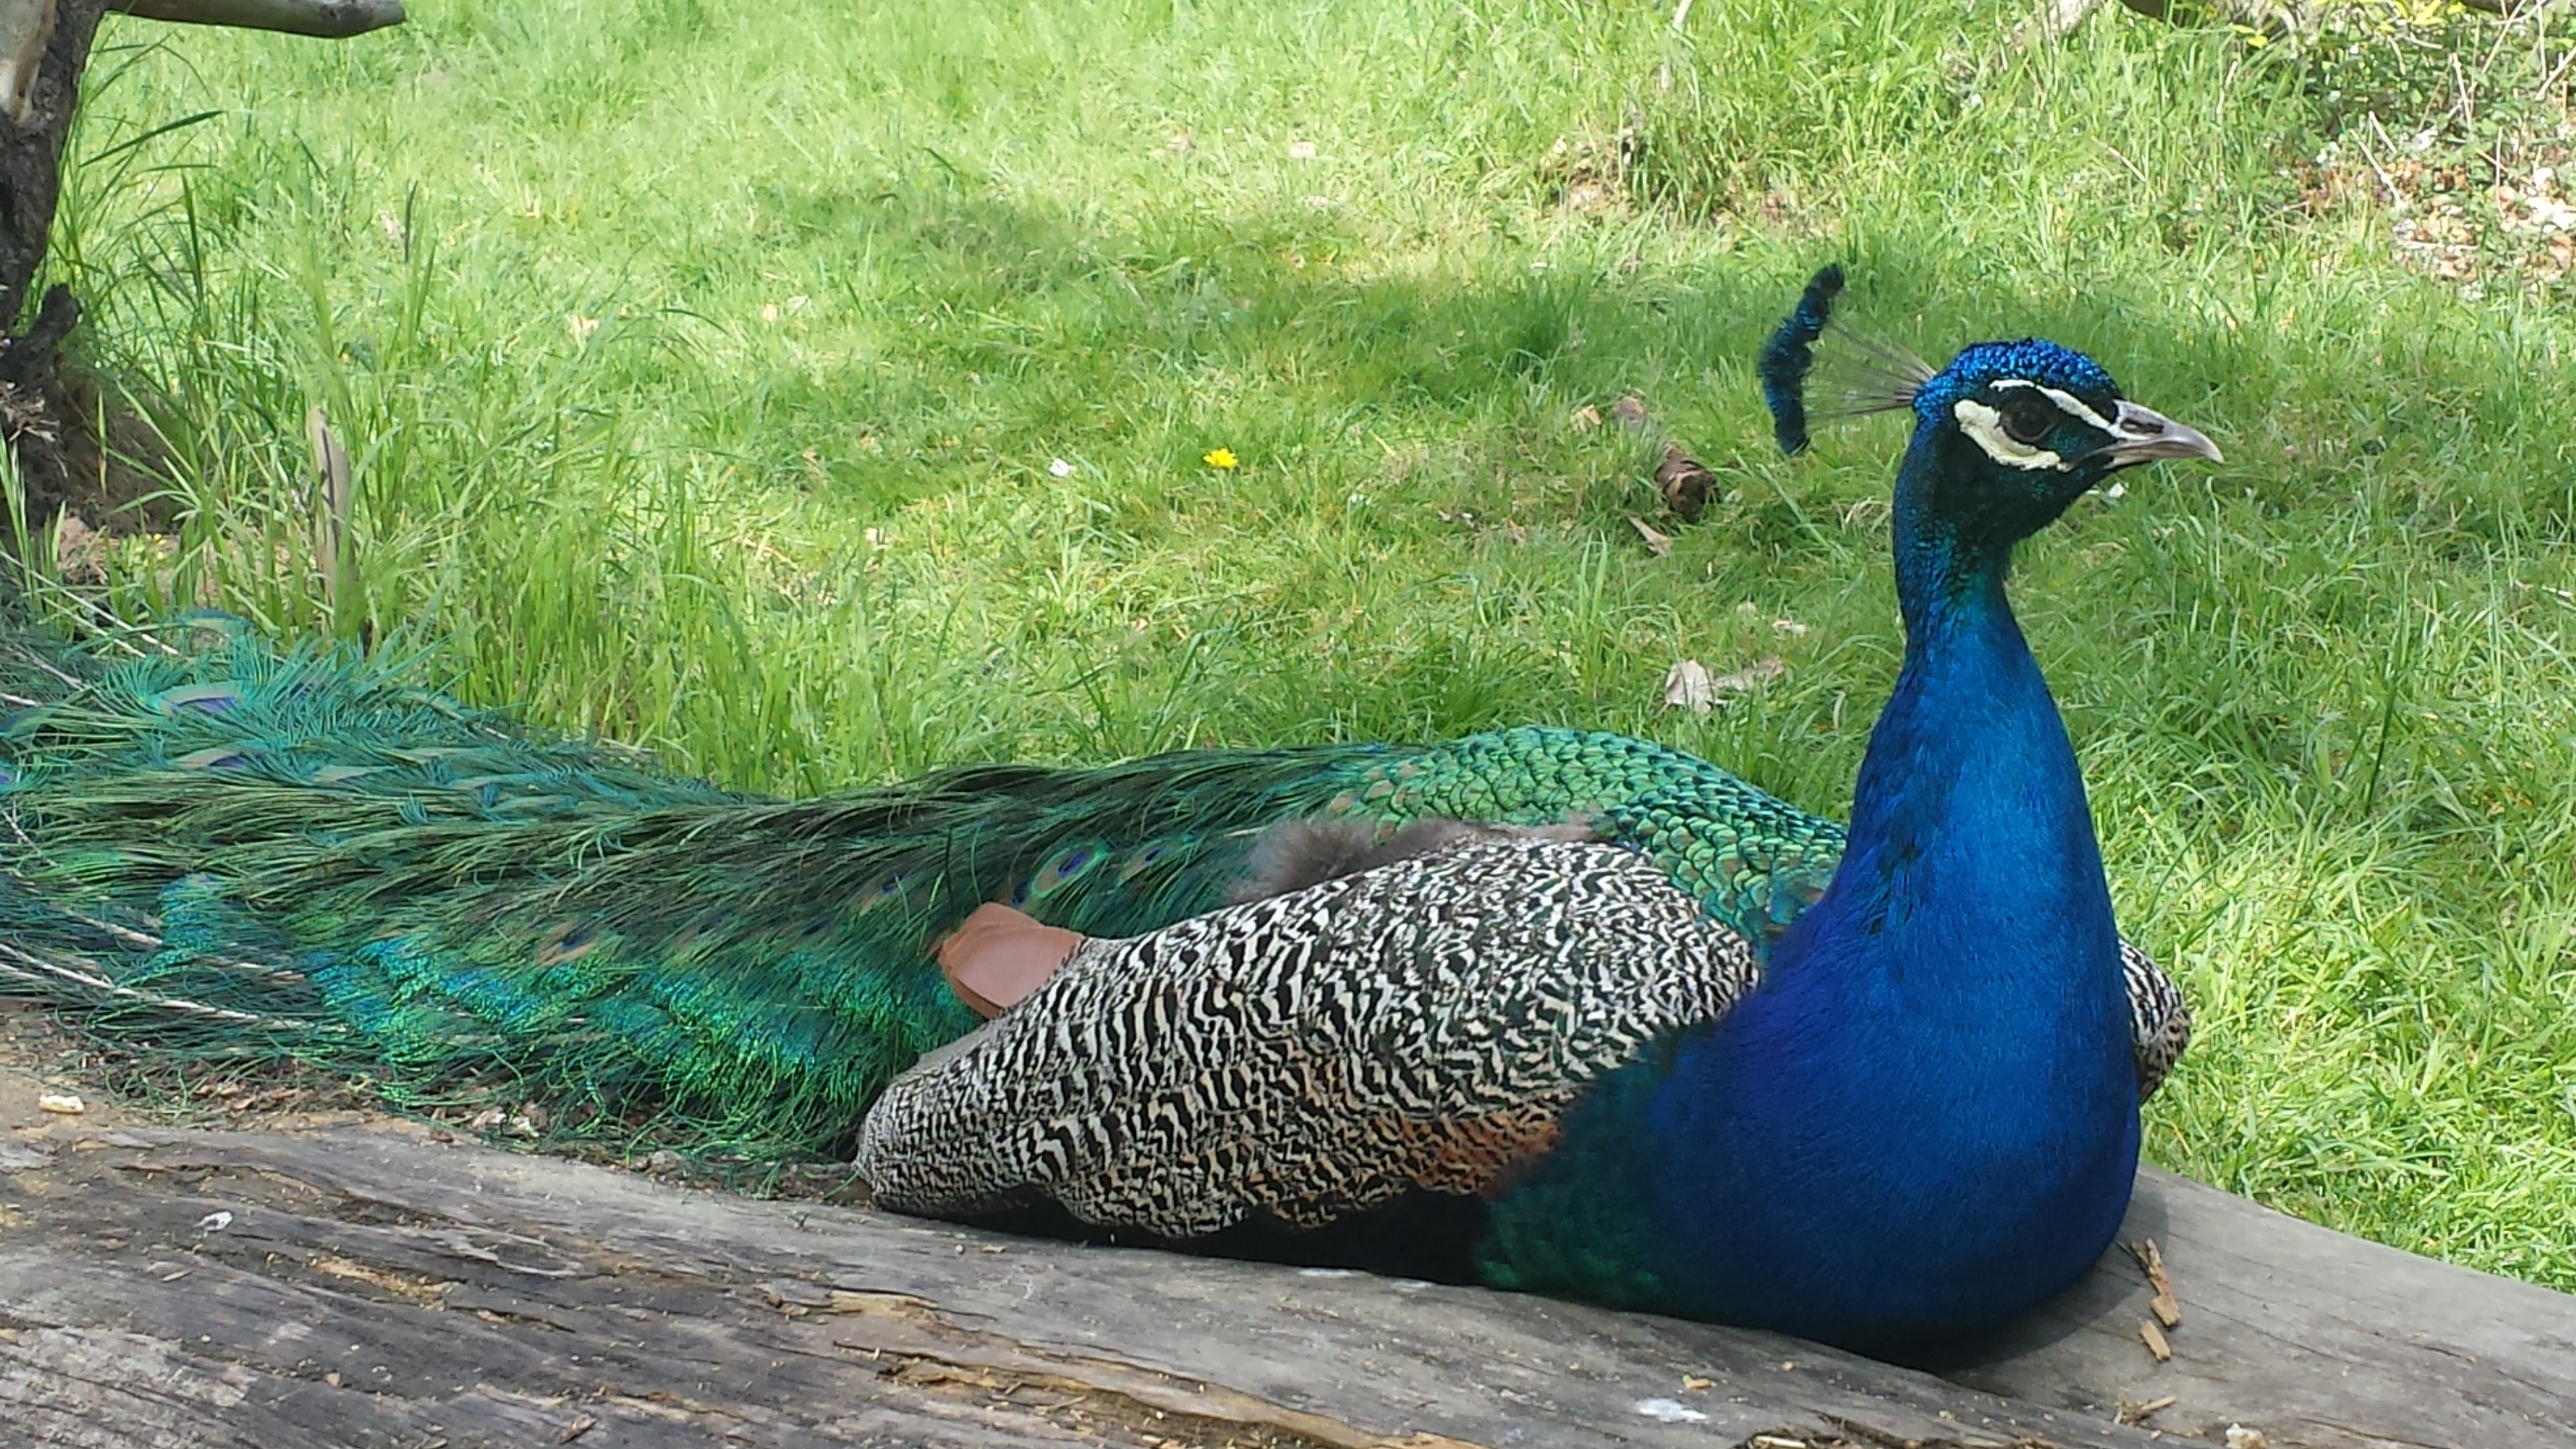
[(2140, 1413), (2166, 1307)]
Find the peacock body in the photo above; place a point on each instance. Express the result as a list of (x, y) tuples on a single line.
[(1696, 1050)]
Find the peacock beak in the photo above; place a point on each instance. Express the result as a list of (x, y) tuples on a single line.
[(2143, 435)]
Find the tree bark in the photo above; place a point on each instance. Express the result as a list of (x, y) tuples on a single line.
[(371, 1285), (43, 46)]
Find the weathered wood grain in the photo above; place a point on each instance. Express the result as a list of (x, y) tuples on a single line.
[(2318, 1338), (368, 1287)]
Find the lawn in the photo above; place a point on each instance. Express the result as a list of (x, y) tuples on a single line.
[(816, 393)]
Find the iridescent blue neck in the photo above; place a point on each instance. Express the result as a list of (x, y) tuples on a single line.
[(1969, 694), (1944, 581), (1924, 1119)]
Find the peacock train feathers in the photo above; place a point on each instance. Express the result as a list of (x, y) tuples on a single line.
[(233, 849), (1284, 986)]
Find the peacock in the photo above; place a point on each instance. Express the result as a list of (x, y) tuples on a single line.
[(1549, 1009)]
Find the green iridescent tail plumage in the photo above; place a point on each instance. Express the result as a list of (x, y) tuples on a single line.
[(240, 851)]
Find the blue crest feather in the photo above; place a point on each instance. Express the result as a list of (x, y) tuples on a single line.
[(1872, 374), (1791, 353)]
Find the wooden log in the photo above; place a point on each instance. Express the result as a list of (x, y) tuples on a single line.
[(368, 1285), (327, 19), (2314, 1337)]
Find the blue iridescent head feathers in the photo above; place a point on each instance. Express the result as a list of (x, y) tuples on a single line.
[(1863, 373), (2034, 360)]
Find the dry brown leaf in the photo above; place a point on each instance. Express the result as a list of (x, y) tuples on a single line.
[(2154, 1338), (1657, 543), (1751, 677), (1685, 483), (1687, 686), (61, 1104), (1586, 418), (80, 553), (581, 1424)]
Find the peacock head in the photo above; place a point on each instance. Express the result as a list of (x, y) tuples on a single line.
[(2006, 436), (2020, 430)]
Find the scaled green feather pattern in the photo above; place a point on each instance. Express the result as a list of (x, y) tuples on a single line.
[(232, 849)]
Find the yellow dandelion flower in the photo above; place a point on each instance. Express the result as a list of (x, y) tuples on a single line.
[(1219, 458)]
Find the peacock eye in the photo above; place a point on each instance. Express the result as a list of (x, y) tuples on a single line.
[(2027, 418)]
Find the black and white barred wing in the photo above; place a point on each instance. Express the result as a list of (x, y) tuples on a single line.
[(2159, 1018), (1425, 1023)]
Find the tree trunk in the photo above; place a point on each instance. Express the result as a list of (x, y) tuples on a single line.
[(43, 46)]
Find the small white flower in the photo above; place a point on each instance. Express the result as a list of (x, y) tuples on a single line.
[(1060, 467)]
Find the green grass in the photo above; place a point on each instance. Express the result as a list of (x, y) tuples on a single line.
[(785, 513)]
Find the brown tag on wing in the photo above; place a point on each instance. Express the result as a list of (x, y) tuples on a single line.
[(1000, 955)]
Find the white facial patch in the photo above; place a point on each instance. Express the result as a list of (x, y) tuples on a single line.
[(2067, 402), (1986, 426)]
